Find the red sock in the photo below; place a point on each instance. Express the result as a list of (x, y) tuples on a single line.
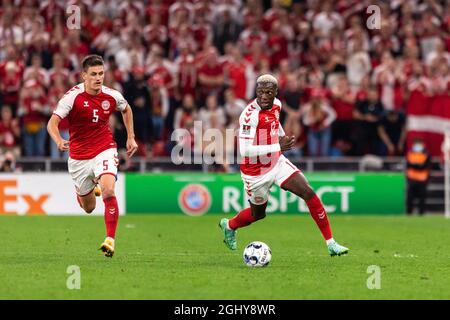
[(320, 216), (111, 216), (242, 219)]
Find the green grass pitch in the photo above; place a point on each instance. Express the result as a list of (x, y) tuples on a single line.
[(180, 257)]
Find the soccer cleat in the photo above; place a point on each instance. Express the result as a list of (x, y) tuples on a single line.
[(335, 249), (229, 234), (97, 191), (108, 247)]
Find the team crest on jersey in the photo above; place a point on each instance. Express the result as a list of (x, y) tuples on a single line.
[(245, 129), (273, 129), (105, 105)]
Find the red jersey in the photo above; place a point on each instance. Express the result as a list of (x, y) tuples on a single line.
[(237, 73), (262, 128), (7, 137), (88, 117)]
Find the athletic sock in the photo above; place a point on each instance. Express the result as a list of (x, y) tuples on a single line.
[(111, 216), (242, 219), (319, 215)]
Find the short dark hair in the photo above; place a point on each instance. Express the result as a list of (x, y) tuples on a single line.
[(91, 61)]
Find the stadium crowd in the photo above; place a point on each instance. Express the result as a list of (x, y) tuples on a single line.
[(346, 88)]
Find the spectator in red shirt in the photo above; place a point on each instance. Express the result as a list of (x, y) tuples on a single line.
[(187, 73), (58, 70), (239, 75), (343, 102), (210, 76), (9, 132), (36, 71), (34, 111), (277, 44), (10, 85), (155, 32), (57, 90), (159, 8)]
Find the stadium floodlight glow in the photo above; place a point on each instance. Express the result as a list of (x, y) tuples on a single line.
[(446, 150)]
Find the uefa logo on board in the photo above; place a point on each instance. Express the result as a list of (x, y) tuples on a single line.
[(194, 199)]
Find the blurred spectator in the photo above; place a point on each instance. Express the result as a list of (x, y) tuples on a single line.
[(212, 115), (160, 8), (368, 112), (10, 84), (9, 132), (392, 131), (184, 119), (155, 32), (358, 64), (58, 71), (56, 92), (137, 94), (277, 43), (34, 111), (327, 20), (291, 98), (37, 72), (8, 162), (187, 73), (210, 76), (318, 116), (233, 109), (239, 75), (389, 78), (295, 128), (186, 115), (159, 111), (343, 101), (226, 29)]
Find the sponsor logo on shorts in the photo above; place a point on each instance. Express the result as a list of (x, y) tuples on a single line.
[(194, 199)]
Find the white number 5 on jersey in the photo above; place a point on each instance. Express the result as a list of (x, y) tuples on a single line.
[(95, 119)]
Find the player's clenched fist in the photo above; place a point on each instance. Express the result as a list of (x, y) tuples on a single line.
[(286, 143), (131, 147), (63, 145)]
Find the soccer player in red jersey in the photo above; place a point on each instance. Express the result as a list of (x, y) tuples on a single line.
[(261, 143), (92, 150)]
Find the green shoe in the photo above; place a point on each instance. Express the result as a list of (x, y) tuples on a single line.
[(229, 235), (335, 249)]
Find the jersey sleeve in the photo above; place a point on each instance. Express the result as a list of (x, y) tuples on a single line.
[(281, 132), (248, 123), (65, 104), (121, 103)]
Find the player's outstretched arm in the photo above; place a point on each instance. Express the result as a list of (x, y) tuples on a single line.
[(127, 116), (53, 131)]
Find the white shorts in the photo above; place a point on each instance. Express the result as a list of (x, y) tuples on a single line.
[(258, 187), (85, 173)]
